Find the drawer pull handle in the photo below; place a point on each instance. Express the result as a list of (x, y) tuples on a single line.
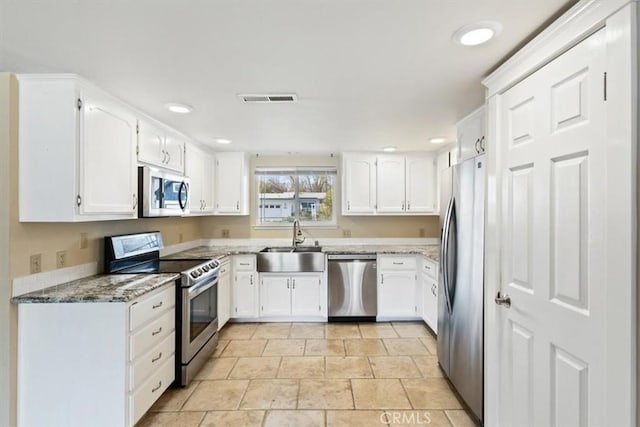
[(158, 357), (244, 263), (398, 263), (156, 388), (158, 305), (154, 333)]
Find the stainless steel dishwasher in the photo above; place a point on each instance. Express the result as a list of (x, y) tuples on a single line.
[(353, 293)]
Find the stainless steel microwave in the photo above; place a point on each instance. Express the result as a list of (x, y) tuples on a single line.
[(162, 193)]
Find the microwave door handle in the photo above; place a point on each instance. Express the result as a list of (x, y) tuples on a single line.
[(183, 187)]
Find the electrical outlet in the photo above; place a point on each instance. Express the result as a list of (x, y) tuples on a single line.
[(180, 238), (84, 240), (346, 232), (225, 233), (35, 263), (61, 259), (422, 232)]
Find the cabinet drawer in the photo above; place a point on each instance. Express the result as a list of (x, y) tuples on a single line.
[(145, 310), (152, 334), (151, 390), (244, 263), (430, 268), (397, 262), (144, 367)]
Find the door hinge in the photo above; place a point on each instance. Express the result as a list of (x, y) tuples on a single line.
[(79, 104), (78, 200), (319, 308), (605, 86), (137, 128), (137, 149)]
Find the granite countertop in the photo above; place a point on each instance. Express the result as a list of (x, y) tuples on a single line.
[(101, 288), (430, 251)]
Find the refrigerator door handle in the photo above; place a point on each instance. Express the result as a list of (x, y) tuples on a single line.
[(451, 284), (445, 253)]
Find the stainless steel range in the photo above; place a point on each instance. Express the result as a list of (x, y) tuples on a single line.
[(196, 294)]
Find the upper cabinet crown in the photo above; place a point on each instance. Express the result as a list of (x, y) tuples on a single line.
[(232, 184), (471, 135), (159, 146), (77, 151)]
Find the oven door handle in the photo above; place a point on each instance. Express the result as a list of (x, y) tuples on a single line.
[(194, 291)]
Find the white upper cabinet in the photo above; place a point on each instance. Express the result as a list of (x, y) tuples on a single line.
[(358, 184), (199, 168), (159, 146), (420, 184), (232, 184), (174, 146), (77, 158), (471, 135), (391, 184)]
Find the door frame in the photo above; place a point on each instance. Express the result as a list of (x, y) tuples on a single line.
[(620, 19)]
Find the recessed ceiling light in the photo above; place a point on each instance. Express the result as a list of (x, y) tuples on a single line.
[(477, 33), (438, 140), (389, 149), (223, 141), (178, 108)]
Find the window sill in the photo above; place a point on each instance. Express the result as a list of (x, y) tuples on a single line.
[(289, 226)]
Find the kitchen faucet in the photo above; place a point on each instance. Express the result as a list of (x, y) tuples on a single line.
[(297, 234)]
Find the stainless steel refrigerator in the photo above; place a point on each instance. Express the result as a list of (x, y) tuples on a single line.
[(461, 283)]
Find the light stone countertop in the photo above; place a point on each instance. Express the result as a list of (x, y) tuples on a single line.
[(100, 288)]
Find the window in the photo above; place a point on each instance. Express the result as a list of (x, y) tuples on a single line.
[(286, 194)]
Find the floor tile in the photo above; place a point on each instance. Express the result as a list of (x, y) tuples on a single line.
[(417, 417), (411, 330), (342, 330), (238, 331), (394, 367), (272, 330), (430, 393), (220, 348), (244, 348), (232, 419), (255, 367), (173, 398), (324, 348), (356, 419), (347, 367), (302, 367), (216, 395), (404, 347), (270, 394), (284, 348), (307, 331), (428, 366), (460, 418), (377, 330), (325, 394), (216, 368), (364, 347), (431, 344), (294, 419), (171, 419), (379, 394)]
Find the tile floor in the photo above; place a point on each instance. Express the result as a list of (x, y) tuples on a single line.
[(304, 374)]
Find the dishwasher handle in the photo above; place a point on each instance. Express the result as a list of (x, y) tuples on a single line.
[(351, 257)]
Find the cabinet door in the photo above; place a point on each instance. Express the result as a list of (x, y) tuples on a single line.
[(108, 178), (471, 131), (150, 144), (306, 295), (430, 302), (231, 183), (396, 294), (275, 295), (245, 296), (193, 169), (224, 296), (207, 183), (420, 184), (390, 188), (359, 185), (174, 153)]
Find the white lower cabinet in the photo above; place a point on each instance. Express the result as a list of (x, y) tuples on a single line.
[(224, 294), (430, 293), (291, 295), (397, 287), (245, 287), (97, 364)]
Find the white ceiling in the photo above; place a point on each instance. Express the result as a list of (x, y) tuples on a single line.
[(368, 73)]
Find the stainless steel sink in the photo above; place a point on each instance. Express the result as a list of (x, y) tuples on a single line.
[(300, 259)]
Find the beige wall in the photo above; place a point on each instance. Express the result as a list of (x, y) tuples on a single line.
[(361, 226)]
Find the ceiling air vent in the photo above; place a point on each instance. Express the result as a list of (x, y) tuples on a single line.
[(268, 98)]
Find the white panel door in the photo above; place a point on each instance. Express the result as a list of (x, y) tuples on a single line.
[(420, 181), (150, 144), (174, 153), (230, 182), (275, 295), (306, 295), (430, 302), (224, 296), (471, 131), (552, 159), (207, 183), (108, 178), (245, 296), (359, 184), (390, 184), (194, 169), (396, 294)]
